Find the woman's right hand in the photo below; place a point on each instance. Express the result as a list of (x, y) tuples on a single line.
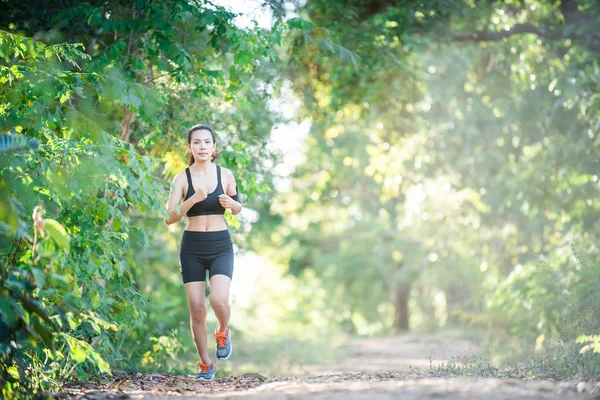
[(199, 195)]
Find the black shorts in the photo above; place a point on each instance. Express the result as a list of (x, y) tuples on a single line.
[(203, 251)]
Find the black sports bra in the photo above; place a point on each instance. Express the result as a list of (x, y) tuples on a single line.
[(210, 205)]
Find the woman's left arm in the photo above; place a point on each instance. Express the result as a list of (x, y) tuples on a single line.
[(231, 198)]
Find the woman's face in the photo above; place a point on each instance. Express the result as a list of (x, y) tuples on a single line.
[(202, 145)]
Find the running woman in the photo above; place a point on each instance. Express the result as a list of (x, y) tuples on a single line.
[(203, 192)]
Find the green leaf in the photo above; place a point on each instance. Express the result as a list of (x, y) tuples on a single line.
[(58, 233), (300, 24), (95, 326), (78, 352), (73, 324), (46, 248), (13, 372), (40, 276), (64, 96), (101, 363)]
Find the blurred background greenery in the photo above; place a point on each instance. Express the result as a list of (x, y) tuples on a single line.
[(420, 167)]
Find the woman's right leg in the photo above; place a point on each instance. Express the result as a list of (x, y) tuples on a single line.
[(198, 312)]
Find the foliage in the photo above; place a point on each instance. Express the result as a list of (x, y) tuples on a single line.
[(593, 343), (61, 292), (90, 128), (561, 302), (451, 165), (454, 148)]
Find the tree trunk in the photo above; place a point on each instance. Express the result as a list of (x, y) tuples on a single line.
[(401, 307), (126, 122), (454, 297)]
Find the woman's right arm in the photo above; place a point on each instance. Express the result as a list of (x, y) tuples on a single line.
[(175, 207)]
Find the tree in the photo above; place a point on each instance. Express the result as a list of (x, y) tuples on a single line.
[(421, 119), (107, 112)]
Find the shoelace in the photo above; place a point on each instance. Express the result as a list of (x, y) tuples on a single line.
[(203, 367), (221, 338)]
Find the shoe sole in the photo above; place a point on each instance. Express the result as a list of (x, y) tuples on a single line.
[(205, 379), (224, 358)]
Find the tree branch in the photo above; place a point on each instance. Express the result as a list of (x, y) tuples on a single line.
[(578, 27), (518, 29), (589, 39)]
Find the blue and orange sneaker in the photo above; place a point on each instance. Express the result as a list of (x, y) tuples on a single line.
[(206, 372), (224, 347)]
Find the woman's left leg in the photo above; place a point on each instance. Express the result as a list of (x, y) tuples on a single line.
[(221, 271), (219, 299)]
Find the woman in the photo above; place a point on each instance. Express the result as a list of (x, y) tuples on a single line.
[(203, 192)]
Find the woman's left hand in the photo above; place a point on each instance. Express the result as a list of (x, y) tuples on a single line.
[(226, 201)]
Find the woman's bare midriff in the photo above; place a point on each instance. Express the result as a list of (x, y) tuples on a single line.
[(206, 223)]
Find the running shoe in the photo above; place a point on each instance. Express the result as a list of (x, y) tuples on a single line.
[(224, 347), (206, 372)]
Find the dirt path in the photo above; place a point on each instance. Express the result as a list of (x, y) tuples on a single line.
[(397, 354), (382, 368)]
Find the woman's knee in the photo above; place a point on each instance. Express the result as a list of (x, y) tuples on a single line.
[(199, 313), (219, 302)]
